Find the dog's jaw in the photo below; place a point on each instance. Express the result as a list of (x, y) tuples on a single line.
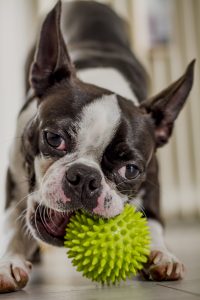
[(47, 224)]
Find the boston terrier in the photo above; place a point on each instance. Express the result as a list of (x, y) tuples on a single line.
[(86, 138)]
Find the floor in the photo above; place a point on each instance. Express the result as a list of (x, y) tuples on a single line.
[(57, 279)]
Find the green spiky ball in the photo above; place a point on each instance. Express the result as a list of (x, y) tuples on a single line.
[(108, 250)]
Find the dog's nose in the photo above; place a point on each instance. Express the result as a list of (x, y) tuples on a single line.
[(84, 179)]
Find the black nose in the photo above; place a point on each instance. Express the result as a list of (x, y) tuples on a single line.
[(84, 180)]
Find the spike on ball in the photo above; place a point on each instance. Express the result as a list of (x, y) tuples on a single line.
[(108, 250)]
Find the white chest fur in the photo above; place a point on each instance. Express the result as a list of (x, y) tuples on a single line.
[(110, 79)]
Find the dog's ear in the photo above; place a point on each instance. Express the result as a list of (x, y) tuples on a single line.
[(165, 107), (51, 63)]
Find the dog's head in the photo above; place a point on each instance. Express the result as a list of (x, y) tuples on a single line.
[(87, 148)]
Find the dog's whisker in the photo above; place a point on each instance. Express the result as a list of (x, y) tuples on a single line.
[(36, 222), (132, 197), (140, 207), (44, 218), (28, 232), (24, 198), (47, 209), (51, 219), (22, 215)]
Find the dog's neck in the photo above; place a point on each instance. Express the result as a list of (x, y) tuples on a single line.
[(110, 79)]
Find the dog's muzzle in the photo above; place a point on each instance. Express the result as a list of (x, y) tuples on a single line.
[(83, 183), (82, 186)]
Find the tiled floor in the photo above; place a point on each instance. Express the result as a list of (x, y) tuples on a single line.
[(56, 278)]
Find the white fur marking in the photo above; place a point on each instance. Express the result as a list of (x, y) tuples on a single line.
[(15, 156), (157, 235), (110, 79), (98, 124)]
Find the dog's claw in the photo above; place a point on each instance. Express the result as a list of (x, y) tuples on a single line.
[(14, 274), (178, 269), (169, 269), (20, 276), (157, 257)]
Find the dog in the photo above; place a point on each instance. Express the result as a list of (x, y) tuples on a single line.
[(86, 138)]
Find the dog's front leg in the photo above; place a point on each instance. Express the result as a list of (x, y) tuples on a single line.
[(16, 244), (17, 247), (162, 264)]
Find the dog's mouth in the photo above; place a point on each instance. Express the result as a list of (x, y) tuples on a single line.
[(50, 225)]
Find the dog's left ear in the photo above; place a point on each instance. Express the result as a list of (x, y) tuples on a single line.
[(52, 63), (165, 107)]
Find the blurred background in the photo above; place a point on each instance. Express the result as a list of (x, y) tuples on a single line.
[(165, 35)]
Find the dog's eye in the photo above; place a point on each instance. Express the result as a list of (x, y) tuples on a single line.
[(129, 171), (55, 141)]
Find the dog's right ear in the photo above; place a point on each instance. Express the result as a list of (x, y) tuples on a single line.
[(51, 63)]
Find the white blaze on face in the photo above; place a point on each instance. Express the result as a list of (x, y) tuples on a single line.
[(97, 126)]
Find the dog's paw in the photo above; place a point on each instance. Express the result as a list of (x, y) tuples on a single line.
[(14, 274), (162, 265)]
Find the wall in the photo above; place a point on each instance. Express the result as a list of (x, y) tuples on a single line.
[(17, 26)]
